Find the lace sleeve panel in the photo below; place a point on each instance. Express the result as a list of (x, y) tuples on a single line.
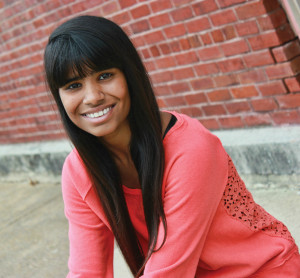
[(239, 204)]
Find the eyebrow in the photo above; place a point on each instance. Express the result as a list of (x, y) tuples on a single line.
[(76, 78)]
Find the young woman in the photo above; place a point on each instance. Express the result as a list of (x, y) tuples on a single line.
[(157, 182)]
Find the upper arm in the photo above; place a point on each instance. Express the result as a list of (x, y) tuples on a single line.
[(193, 190), (91, 241)]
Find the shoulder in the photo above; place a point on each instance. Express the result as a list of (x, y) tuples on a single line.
[(74, 174), (195, 159), (189, 136)]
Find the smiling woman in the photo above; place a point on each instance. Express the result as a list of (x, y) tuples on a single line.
[(98, 103), (156, 181)]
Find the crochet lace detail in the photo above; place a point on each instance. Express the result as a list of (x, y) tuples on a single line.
[(239, 204)]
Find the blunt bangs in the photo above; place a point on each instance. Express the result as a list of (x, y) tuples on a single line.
[(71, 55)]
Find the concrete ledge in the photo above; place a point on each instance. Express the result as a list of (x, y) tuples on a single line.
[(264, 157)]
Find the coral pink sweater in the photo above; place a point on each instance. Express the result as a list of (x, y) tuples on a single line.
[(215, 229)]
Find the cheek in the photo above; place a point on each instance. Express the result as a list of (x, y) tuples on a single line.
[(69, 103)]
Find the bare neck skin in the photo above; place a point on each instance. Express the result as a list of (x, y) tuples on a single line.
[(119, 145)]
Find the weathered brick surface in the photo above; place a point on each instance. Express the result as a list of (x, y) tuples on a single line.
[(229, 63)]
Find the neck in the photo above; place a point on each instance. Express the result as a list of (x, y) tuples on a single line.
[(119, 144)]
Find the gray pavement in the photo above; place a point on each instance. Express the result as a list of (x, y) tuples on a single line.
[(33, 229)]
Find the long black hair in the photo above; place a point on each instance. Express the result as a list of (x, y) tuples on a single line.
[(85, 44)]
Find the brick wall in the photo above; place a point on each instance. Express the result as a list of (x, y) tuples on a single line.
[(229, 63)]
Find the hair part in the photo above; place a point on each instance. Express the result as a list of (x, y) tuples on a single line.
[(85, 44)]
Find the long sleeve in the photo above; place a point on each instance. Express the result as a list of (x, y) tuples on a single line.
[(195, 178), (91, 241)]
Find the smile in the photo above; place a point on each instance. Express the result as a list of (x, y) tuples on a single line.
[(99, 113)]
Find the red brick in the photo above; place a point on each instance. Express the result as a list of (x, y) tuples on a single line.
[(202, 83), (252, 76), (247, 28), (145, 53), (286, 117), (285, 33), (78, 7), (229, 32), (206, 69), (272, 20), (204, 7), (293, 84), (126, 3), (271, 39), (237, 107), (231, 122), (244, 92), (140, 26), (272, 88), (154, 37), (250, 10), (160, 77), (181, 14), (288, 101), (295, 65), (192, 111), (39, 22), (160, 20), (186, 58), (229, 65), (227, 3), (162, 90), (138, 41), (180, 87), (161, 103), (164, 48), (211, 124), (175, 31), (184, 44), (180, 2), (165, 62), (267, 104), (154, 51), (185, 73), (195, 98), (287, 51), (217, 36), (140, 11), (234, 48), (260, 58), (150, 66), (175, 46), (223, 17), (158, 6), (219, 95), (279, 71), (258, 120), (194, 41), (198, 25), (175, 101), (226, 80), (209, 53), (109, 8), (206, 39), (212, 110)]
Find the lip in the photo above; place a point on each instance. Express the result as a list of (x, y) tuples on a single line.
[(97, 109), (101, 119)]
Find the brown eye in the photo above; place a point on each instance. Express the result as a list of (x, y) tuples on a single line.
[(105, 75), (73, 86)]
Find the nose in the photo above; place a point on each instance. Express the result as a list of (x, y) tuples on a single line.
[(93, 95)]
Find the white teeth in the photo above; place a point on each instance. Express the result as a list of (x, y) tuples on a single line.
[(99, 113)]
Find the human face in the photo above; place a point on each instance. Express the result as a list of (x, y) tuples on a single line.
[(98, 103)]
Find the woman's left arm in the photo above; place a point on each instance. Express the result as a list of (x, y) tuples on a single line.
[(193, 190)]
